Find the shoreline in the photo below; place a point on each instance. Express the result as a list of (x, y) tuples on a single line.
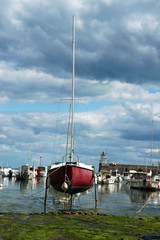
[(64, 225)]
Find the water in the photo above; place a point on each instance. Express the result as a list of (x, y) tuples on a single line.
[(118, 199)]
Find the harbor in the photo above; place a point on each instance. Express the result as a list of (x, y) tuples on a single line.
[(80, 120), (117, 190), (121, 211), (115, 199)]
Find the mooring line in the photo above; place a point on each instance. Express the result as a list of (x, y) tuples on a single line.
[(144, 204), (10, 199), (25, 190)]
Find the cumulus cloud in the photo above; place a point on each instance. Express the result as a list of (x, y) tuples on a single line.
[(117, 77)]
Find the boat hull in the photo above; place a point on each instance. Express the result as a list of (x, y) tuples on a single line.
[(71, 178), (144, 184)]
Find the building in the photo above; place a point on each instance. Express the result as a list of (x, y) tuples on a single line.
[(105, 167)]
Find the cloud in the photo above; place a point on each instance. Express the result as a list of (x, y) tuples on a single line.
[(113, 39), (117, 75)]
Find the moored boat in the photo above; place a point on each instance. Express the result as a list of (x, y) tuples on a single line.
[(6, 171), (141, 180), (26, 172), (1, 171), (115, 177), (127, 175), (157, 179), (71, 176), (42, 171)]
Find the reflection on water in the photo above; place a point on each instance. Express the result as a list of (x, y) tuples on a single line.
[(141, 197), (28, 196), (60, 198)]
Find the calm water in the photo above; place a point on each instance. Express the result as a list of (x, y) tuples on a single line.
[(119, 199)]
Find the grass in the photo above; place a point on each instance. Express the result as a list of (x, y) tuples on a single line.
[(78, 225)]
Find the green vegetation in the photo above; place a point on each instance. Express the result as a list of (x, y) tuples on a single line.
[(76, 225)]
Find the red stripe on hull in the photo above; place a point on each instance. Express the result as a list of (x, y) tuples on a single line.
[(76, 177)]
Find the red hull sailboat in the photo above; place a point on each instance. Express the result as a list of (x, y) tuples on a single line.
[(71, 176)]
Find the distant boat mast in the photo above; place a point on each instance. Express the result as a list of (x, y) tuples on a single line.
[(40, 160), (151, 145)]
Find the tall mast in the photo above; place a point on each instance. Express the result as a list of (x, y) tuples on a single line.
[(73, 69), (151, 145), (68, 131), (40, 161)]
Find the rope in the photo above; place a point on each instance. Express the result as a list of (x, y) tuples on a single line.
[(11, 199), (22, 191), (53, 171), (144, 204), (66, 179)]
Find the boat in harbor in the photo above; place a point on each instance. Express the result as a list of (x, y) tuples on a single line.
[(127, 175), (42, 171), (5, 171), (107, 176), (1, 171), (114, 177), (143, 181), (26, 172), (157, 178), (71, 176)]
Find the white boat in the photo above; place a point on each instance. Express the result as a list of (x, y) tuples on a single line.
[(107, 177), (119, 178), (42, 171), (7, 172), (157, 179), (142, 180), (111, 179), (26, 172), (1, 171), (14, 172), (115, 177), (127, 175), (99, 178)]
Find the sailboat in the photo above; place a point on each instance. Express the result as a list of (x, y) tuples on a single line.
[(71, 176), (42, 171)]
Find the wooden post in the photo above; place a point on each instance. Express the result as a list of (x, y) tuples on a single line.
[(71, 203), (45, 199), (95, 188)]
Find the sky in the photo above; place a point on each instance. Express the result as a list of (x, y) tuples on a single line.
[(117, 80)]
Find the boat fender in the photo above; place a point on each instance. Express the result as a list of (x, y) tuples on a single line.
[(64, 186), (149, 184)]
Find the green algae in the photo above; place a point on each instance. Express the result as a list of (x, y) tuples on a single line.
[(76, 225)]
